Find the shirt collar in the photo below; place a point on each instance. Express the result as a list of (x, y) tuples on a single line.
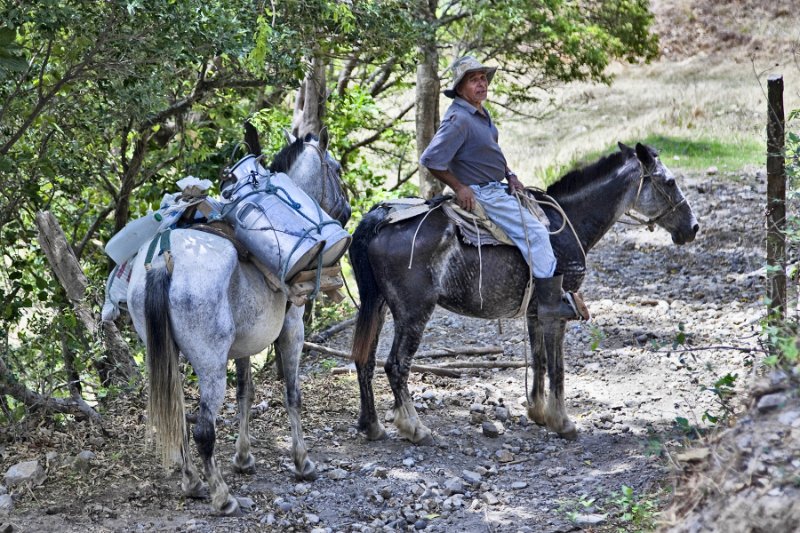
[(471, 108)]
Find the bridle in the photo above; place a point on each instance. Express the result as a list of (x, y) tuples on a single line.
[(329, 173), (651, 222)]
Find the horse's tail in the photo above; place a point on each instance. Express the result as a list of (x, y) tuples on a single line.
[(165, 399), (373, 304)]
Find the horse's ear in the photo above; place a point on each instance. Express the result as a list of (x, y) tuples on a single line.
[(251, 138), (644, 154), (324, 138), (624, 147), (290, 139)]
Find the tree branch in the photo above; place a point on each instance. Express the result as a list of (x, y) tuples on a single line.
[(444, 369), (404, 179), (33, 400), (377, 135)]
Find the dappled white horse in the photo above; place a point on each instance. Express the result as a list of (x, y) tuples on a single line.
[(213, 308)]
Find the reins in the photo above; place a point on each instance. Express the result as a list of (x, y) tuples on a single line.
[(565, 221)]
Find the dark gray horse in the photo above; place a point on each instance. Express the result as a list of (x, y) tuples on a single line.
[(446, 272), (213, 308)]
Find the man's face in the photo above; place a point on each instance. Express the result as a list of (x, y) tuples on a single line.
[(474, 87)]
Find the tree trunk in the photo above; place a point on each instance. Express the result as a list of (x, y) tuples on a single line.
[(128, 183), (309, 108), (118, 368), (427, 98)]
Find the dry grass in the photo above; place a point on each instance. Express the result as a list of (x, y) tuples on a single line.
[(709, 84)]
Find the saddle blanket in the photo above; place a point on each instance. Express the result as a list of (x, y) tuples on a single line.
[(474, 227)]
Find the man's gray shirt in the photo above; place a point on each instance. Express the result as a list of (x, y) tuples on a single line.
[(466, 145)]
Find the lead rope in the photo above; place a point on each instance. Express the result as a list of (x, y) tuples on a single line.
[(480, 261), (526, 297), (414, 240)]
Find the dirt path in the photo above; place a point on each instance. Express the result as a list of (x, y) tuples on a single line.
[(625, 384), (624, 394)]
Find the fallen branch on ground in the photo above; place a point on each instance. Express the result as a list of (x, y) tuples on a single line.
[(33, 400), (701, 348), (309, 346), (325, 334), (483, 364), (431, 369), (443, 369), (443, 352), (464, 350)]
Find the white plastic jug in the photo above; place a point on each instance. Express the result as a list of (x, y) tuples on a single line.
[(129, 239)]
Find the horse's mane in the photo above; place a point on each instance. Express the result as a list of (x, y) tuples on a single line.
[(284, 159), (578, 178)]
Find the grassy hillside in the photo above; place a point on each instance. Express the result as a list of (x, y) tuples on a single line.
[(703, 103)]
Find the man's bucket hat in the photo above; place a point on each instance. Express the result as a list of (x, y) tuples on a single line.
[(462, 67)]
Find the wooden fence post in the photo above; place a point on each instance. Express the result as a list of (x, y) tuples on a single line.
[(776, 201)]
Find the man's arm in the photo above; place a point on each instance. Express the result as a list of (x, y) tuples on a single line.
[(464, 195)]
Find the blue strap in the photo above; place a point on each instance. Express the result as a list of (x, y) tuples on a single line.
[(161, 240)]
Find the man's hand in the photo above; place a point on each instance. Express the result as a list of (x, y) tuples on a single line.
[(465, 198), (513, 183)]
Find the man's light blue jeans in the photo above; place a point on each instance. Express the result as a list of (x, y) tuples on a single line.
[(520, 225)]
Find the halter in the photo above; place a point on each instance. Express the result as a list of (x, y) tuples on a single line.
[(650, 223), (327, 171)]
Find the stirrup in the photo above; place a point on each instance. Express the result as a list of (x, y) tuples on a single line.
[(575, 301)]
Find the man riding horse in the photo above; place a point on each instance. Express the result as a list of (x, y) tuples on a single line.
[(464, 154)]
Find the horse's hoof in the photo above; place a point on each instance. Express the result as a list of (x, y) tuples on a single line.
[(569, 432), (427, 440), (422, 436), (376, 432), (308, 473), (537, 416), (231, 507), (198, 492), (569, 435), (246, 467)]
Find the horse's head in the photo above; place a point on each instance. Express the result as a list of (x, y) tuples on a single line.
[(309, 164), (659, 197)]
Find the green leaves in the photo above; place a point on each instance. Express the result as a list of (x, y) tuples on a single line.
[(12, 57)]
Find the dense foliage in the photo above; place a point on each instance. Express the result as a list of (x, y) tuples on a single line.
[(104, 105)]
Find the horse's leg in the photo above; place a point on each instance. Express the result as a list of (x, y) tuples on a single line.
[(556, 413), (289, 344), (191, 484), (408, 331), (536, 398), (244, 461), (368, 417), (211, 372), (278, 364)]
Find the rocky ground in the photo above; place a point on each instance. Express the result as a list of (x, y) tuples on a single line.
[(669, 323), (676, 329)]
